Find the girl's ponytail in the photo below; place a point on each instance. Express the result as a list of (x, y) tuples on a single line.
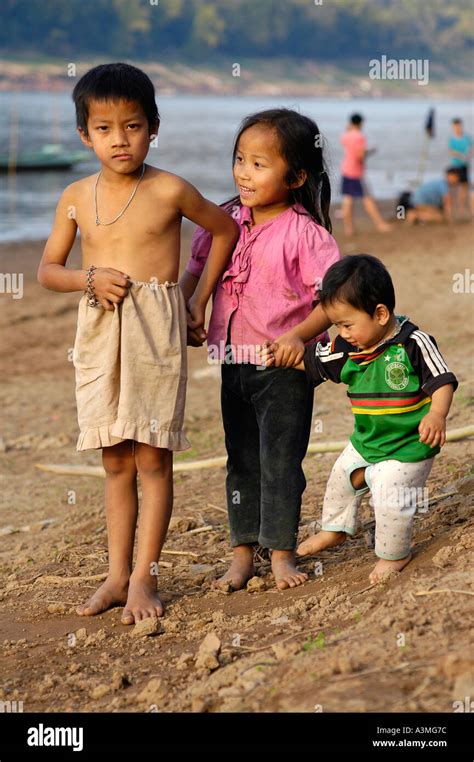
[(325, 201)]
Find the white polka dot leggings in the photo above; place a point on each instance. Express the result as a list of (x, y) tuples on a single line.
[(396, 488)]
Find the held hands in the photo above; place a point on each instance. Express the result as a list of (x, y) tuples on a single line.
[(110, 286), (196, 338), (195, 316), (267, 353), (432, 429), (284, 352)]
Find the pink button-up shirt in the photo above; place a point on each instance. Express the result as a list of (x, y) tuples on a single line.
[(271, 283)]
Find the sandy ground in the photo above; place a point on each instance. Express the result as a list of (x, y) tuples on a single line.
[(334, 644)]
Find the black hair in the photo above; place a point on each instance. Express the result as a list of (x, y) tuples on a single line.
[(451, 171), (301, 148), (360, 280), (456, 120), (114, 81), (356, 119)]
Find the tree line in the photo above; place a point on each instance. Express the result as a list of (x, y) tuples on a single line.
[(333, 30)]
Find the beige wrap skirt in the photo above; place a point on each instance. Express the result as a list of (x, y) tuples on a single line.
[(131, 369)]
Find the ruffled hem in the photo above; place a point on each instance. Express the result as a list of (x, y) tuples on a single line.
[(113, 433)]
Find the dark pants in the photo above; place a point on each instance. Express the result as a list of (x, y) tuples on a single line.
[(267, 421)]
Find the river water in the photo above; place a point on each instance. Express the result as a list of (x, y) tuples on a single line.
[(195, 142)]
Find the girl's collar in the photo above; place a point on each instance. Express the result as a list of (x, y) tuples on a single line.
[(247, 219)]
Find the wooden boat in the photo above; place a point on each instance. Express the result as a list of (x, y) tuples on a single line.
[(48, 157)]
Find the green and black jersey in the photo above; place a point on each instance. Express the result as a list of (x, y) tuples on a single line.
[(389, 388)]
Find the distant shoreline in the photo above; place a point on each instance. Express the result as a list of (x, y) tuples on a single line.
[(280, 77)]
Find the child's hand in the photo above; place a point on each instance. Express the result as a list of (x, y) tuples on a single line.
[(290, 350), (196, 334), (432, 429), (110, 286), (196, 316), (195, 338), (267, 353)]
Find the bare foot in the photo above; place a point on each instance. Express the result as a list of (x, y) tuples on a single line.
[(319, 542), (240, 570), (384, 227), (142, 601), (284, 570), (383, 567), (109, 594)]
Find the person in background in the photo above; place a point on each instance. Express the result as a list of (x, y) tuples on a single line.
[(432, 201), (352, 169), (460, 149)]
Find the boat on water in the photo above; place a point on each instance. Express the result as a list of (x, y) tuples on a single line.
[(48, 157)]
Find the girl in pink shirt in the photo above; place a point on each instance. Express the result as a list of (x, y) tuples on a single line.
[(269, 290)]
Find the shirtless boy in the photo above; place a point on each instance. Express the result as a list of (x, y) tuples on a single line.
[(130, 348)]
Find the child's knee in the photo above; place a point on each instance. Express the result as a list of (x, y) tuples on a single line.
[(153, 461), (357, 478), (338, 483), (119, 460)]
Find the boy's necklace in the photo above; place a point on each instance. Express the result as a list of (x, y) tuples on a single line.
[(387, 338), (97, 220)]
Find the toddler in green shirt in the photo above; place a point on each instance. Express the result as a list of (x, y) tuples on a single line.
[(400, 390)]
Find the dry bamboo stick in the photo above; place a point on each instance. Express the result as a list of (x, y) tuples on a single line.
[(180, 553), (444, 590), (203, 529), (217, 508), (52, 579), (194, 465)]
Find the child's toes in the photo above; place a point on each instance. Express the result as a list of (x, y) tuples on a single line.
[(127, 617), (300, 578)]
